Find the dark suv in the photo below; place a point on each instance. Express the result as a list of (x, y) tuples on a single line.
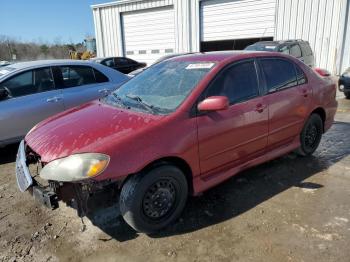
[(297, 48)]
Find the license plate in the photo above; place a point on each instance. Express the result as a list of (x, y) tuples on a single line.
[(24, 179)]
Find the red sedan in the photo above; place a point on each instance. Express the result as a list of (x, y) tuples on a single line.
[(179, 128)]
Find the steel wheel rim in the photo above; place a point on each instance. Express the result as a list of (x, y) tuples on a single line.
[(159, 199), (311, 136)]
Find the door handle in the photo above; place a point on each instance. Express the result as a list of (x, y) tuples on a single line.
[(260, 108), (53, 99)]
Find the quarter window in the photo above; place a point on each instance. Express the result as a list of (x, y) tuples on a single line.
[(279, 74), (295, 51), (238, 82), (100, 78)]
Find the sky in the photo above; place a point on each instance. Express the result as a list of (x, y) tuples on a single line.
[(47, 21)]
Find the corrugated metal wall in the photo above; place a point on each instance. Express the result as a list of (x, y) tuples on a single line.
[(321, 22), (344, 60), (108, 27), (324, 23), (227, 19)]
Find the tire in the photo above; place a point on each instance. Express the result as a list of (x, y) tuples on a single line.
[(311, 135), (347, 95), (152, 200)]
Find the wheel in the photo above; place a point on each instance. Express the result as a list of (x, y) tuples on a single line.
[(347, 95), (152, 200), (311, 135)]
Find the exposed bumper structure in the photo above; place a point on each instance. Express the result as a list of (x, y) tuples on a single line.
[(24, 179)]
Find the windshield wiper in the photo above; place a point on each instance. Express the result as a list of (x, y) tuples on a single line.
[(138, 99), (119, 99)]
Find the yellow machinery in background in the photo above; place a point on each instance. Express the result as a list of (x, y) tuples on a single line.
[(90, 45), (81, 55)]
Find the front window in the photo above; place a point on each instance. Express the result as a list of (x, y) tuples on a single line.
[(163, 87), (5, 70)]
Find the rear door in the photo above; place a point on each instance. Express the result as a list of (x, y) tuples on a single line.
[(230, 137), (81, 84), (34, 98), (288, 96)]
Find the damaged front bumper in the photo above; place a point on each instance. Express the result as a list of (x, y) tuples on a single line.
[(81, 196), (25, 181)]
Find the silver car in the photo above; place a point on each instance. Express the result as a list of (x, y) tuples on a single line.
[(33, 91)]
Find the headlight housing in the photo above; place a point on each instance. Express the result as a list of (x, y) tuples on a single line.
[(75, 167)]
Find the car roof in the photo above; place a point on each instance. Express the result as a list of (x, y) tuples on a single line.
[(112, 74), (220, 56), (40, 63)]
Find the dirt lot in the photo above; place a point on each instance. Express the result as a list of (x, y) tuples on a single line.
[(290, 209)]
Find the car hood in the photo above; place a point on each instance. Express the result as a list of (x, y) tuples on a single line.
[(92, 127)]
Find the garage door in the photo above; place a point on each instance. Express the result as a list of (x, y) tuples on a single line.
[(237, 19), (149, 34)]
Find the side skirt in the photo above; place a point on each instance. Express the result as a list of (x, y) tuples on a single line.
[(201, 185)]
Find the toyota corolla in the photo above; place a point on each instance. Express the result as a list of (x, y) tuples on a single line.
[(178, 129)]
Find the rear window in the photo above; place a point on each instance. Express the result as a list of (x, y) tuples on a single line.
[(295, 51), (306, 49)]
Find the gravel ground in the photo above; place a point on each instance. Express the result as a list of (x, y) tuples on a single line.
[(289, 209)]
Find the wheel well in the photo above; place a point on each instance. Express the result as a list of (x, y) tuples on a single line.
[(322, 113), (176, 161)]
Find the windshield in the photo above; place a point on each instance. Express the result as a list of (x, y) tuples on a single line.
[(5, 70), (162, 87), (261, 47)]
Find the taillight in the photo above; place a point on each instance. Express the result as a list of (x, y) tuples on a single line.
[(322, 72)]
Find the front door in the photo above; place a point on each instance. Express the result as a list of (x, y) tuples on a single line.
[(230, 137), (33, 98)]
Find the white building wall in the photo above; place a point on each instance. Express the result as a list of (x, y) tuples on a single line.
[(321, 22), (324, 23), (108, 26), (227, 19), (344, 60)]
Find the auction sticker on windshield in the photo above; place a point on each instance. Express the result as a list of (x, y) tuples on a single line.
[(200, 66)]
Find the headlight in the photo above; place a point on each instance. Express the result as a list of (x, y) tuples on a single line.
[(75, 167)]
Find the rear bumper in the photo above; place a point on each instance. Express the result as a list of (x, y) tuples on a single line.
[(330, 114)]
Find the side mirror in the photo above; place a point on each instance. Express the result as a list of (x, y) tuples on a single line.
[(214, 103), (4, 94)]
